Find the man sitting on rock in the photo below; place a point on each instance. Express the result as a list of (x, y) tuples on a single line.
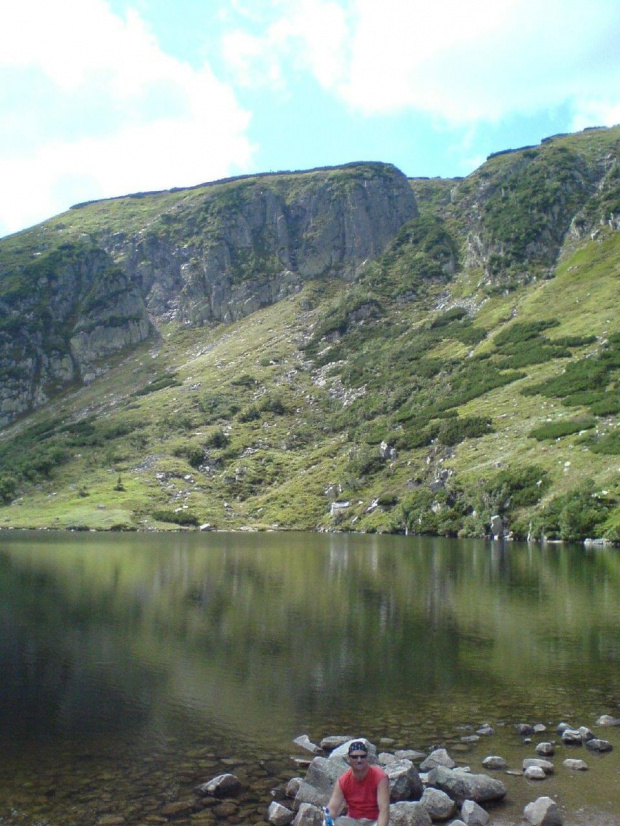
[(364, 788)]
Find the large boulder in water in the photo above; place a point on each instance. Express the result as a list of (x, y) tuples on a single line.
[(405, 783), (462, 786)]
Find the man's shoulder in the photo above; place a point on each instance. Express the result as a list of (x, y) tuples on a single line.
[(377, 771)]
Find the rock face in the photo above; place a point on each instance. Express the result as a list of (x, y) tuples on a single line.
[(216, 255)]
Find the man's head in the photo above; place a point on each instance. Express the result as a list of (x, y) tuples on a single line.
[(358, 753)]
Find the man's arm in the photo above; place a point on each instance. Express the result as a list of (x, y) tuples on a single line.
[(383, 801), (336, 801)]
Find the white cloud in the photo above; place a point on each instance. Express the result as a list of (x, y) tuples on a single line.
[(465, 61), (91, 107)]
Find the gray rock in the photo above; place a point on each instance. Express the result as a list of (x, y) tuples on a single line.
[(495, 763), (279, 815), (539, 728), (308, 815), (461, 786), (324, 771), (473, 815), (307, 793), (545, 749), (543, 812), (485, 731), (438, 804), (524, 729), (561, 728), (224, 785), (410, 754), (545, 765), (608, 720), (534, 773), (586, 734), (385, 758), (599, 745), (292, 787), (409, 814), (438, 757), (572, 737), (331, 743), (304, 742), (575, 765), (405, 783)]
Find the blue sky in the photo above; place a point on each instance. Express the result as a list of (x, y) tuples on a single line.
[(106, 97)]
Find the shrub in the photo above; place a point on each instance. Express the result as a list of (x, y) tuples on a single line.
[(555, 430), (608, 444), (159, 383), (177, 518), (455, 430)]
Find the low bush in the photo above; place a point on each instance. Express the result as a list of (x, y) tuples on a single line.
[(184, 518), (159, 383), (555, 430), (454, 430)]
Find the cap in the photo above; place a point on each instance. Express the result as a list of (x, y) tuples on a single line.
[(358, 745)]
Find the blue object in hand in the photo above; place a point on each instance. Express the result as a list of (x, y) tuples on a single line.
[(329, 821)]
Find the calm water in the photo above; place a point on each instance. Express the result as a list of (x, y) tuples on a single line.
[(135, 666)]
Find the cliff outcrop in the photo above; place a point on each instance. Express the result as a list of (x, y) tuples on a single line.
[(78, 290)]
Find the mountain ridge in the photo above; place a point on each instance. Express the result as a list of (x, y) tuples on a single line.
[(380, 382)]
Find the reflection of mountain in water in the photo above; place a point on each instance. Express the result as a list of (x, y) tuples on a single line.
[(264, 634)]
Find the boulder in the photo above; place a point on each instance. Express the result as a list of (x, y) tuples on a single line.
[(596, 744), (405, 783), (304, 742), (572, 737), (545, 765), (409, 814), (438, 757), (292, 787), (485, 731), (545, 749), (324, 771), (223, 785), (410, 754), (331, 743), (307, 793), (473, 815), (586, 734), (308, 815), (438, 804), (608, 720), (461, 786), (495, 763), (524, 729), (575, 765), (543, 812), (279, 815), (534, 773), (385, 758)]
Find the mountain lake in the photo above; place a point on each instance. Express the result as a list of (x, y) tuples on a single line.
[(137, 665)]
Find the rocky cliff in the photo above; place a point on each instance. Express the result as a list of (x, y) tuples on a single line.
[(101, 278)]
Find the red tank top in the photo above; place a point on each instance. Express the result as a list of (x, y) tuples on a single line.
[(361, 796)]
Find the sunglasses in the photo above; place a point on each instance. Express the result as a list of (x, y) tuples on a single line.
[(358, 756)]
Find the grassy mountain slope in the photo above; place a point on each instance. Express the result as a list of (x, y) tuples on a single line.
[(471, 370)]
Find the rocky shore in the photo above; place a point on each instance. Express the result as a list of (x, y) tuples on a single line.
[(432, 788)]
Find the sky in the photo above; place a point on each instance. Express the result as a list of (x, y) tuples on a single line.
[(100, 98)]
